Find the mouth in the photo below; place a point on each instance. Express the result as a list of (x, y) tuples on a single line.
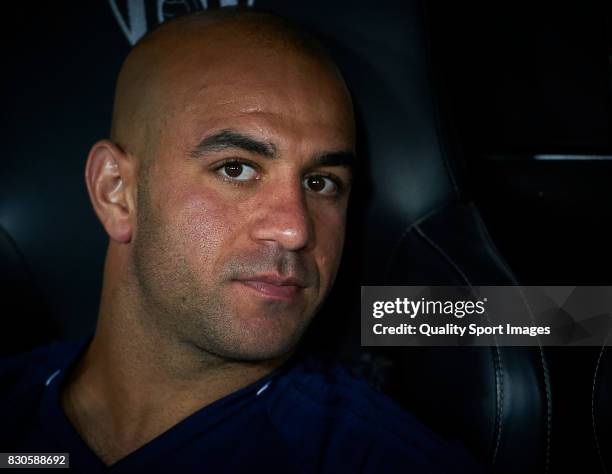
[(273, 286)]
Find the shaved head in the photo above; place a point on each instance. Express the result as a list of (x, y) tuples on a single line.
[(146, 87)]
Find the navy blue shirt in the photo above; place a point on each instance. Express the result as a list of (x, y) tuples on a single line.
[(302, 418)]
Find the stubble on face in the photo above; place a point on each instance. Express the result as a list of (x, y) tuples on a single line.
[(179, 306)]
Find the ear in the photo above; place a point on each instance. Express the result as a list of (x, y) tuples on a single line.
[(109, 175)]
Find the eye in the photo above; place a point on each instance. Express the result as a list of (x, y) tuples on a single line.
[(237, 171), (320, 184)]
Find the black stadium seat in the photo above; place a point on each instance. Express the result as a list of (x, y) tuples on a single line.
[(602, 408)]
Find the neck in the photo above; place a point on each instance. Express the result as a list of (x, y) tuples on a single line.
[(133, 383)]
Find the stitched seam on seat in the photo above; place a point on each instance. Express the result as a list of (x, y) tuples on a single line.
[(443, 253), (601, 460), (497, 357), (547, 389), (499, 381), (456, 267), (495, 253), (545, 372), (408, 229)]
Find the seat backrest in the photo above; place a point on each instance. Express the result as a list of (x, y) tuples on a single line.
[(24, 319), (410, 224), (419, 228)]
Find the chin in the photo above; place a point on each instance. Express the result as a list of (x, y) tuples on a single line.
[(260, 343), (250, 352)]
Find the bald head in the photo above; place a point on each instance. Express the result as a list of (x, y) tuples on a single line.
[(155, 73)]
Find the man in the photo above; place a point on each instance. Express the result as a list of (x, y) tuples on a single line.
[(223, 190)]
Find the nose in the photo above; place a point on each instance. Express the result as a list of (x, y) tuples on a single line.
[(282, 217)]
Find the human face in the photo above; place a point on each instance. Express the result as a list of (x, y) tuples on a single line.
[(241, 217)]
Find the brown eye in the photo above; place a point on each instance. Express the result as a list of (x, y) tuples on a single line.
[(320, 184), (316, 183), (237, 171), (233, 170)]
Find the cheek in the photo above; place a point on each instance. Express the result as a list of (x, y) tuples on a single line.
[(207, 224)]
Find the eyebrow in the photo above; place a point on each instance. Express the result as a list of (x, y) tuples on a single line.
[(346, 159), (230, 139), (226, 139)]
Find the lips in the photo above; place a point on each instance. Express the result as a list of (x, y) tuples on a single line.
[(274, 287)]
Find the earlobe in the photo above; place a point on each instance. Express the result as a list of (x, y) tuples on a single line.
[(108, 175)]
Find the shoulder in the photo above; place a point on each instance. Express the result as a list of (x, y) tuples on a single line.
[(340, 420), (23, 372)]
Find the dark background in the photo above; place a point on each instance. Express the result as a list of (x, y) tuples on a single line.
[(523, 80)]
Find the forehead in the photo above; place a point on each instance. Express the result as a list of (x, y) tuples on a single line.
[(275, 91)]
